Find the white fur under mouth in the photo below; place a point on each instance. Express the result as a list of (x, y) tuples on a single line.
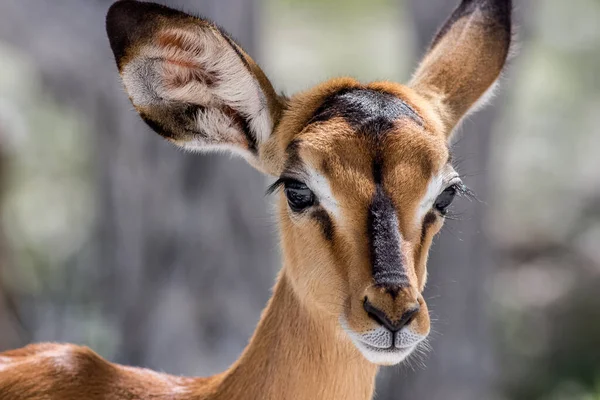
[(379, 345), (383, 356)]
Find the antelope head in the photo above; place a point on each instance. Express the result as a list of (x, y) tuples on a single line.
[(362, 172)]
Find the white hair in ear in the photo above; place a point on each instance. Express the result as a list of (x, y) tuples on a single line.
[(200, 68)]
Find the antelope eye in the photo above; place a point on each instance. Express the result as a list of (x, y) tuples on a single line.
[(445, 199), (299, 196)]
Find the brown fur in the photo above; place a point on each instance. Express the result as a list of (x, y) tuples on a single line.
[(299, 349)]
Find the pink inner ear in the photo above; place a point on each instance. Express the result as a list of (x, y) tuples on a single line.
[(183, 63), (182, 52), (187, 42), (195, 65), (178, 73)]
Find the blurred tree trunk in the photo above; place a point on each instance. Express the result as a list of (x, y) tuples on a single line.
[(460, 366), (8, 327), (183, 255)]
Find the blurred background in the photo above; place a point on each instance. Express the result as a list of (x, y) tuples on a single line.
[(112, 238)]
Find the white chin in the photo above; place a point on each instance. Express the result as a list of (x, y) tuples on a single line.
[(384, 357)]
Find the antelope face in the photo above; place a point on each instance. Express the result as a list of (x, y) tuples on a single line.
[(363, 171), (365, 184)]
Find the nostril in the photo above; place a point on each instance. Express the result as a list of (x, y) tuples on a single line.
[(377, 315), (382, 318)]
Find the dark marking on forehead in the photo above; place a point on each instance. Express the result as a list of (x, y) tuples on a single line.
[(370, 112), (387, 260), (378, 168)]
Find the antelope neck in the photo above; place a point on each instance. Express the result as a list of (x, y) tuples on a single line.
[(296, 355)]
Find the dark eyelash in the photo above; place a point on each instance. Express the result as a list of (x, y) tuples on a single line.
[(452, 216), (463, 191), (279, 183)]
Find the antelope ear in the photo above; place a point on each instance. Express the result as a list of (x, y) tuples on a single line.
[(190, 81), (466, 58)]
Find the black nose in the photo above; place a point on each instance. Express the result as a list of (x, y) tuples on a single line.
[(384, 320)]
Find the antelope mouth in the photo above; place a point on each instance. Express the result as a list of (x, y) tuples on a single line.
[(383, 355), (389, 349), (381, 346)]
